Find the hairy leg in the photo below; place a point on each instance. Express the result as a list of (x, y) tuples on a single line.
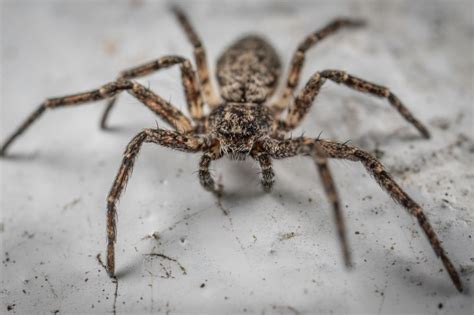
[(171, 139), (297, 61), (331, 192), (330, 149), (265, 162), (305, 98), (212, 99), (188, 77), (165, 110), (205, 177)]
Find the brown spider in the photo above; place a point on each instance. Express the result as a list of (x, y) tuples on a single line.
[(242, 124)]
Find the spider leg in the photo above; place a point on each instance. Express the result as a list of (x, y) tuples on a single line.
[(265, 162), (188, 78), (331, 192), (212, 99), (305, 98), (171, 139), (297, 61), (330, 149), (165, 110), (268, 175), (205, 177)]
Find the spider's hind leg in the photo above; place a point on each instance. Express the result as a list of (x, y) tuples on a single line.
[(210, 95), (297, 61)]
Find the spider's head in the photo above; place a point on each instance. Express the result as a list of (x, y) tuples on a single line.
[(238, 126)]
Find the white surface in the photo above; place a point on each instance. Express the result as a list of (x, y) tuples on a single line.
[(54, 185)]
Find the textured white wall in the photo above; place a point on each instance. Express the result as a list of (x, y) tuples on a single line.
[(274, 253)]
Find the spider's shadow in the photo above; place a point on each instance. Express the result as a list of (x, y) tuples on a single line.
[(21, 157), (128, 129), (130, 269), (419, 275), (388, 137), (241, 186)]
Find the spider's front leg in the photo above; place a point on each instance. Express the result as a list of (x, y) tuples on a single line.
[(264, 159), (188, 78), (329, 149), (171, 139), (305, 98)]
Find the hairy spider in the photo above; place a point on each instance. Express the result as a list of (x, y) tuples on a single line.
[(243, 123)]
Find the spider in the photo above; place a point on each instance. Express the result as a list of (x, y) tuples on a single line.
[(243, 123)]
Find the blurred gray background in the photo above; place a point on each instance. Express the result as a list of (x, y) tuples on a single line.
[(274, 253)]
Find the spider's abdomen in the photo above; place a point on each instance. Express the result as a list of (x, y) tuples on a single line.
[(248, 70)]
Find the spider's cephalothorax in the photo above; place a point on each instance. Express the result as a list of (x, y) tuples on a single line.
[(244, 123), (237, 126)]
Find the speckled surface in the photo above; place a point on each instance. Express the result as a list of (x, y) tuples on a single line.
[(274, 253)]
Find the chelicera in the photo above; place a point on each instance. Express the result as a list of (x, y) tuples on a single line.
[(242, 122)]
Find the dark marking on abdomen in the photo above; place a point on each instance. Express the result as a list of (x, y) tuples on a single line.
[(248, 70)]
